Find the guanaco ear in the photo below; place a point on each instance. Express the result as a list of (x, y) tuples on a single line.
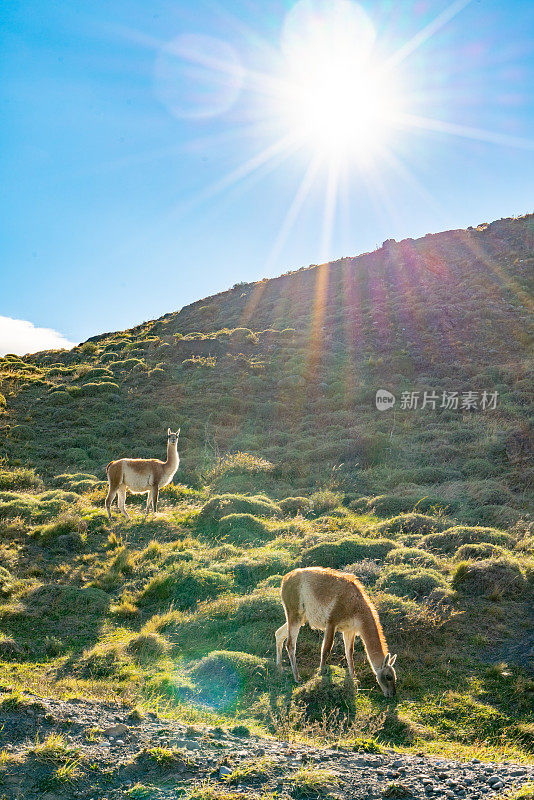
[(392, 660), (169, 431), (178, 432), (386, 661)]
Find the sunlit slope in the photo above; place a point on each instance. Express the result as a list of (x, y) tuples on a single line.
[(287, 369)]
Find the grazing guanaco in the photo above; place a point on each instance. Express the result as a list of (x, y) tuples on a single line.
[(142, 475), (333, 601)]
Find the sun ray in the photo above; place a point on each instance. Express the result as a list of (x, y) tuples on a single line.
[(410, 179), (425, 33), (293, 211), (465, 131)]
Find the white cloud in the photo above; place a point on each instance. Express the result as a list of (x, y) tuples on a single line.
[(20, 336)]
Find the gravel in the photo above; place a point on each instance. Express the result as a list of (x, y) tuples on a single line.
[(112, 750)]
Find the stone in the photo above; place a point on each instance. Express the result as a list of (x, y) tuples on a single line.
[(224, 771), (116, 730), (192, 744)]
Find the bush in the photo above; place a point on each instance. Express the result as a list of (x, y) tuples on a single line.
[(385, 505), (248, 571), (477, 552), (7, 582), (411, 523), (324, 501), (495, 577), (96, 389), (345, 551), (102, 662), (66, 523), (478, 467), (19, 478), (60, 600), (412, 555), (73, 480), (243, 529), (148, 646), (9, 651), (329, 691), (224, 504), (221, 668), (412, 582), (185, 585), (451, 539), (292, 506), (13, 504), (367, 571)]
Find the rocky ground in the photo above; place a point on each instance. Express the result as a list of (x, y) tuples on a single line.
[(80, 749)]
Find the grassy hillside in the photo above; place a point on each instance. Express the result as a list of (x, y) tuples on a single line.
[(286, 461), (287, 369), (179, 613)]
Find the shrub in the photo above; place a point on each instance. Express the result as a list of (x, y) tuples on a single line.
[(221, 667), (367, 571), (224, 504), (329, 691), (10, 650), (61, 398), (292, 506), (148, 646), (242, 529), (345, 551), (389, 504), (412, 555), (451, 539), (88, 348), (478, 467), (237, 464), (412, 582), (19, 478), (65, 523), (96, 389), (477, 552), (497, 577), (411, 523), (7, 582), (97, 372), (70, 480), (185, 585), (61, 600), (102, 661), (324, 501), (248, 571), (13, 504)]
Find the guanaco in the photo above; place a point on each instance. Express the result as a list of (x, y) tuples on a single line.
[(142, 475), (333, 601)]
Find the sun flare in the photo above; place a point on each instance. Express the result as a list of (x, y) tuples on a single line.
[(335, 97)]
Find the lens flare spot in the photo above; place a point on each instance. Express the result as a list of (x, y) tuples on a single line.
[(197, 76)]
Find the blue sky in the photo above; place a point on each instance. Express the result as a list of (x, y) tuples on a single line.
[(131, 180)]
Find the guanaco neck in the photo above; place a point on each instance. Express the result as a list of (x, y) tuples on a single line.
[(171, 465), (373, 639)]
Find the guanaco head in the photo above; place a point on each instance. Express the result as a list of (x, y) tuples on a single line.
[(386, 676), (172, 438)]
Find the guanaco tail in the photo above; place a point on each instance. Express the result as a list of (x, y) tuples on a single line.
[(142, 475), (333, 601)]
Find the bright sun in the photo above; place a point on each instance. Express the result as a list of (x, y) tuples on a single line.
[(333, 95)]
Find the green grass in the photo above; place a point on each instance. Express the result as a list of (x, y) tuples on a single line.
[(159, 613), (313, 782), (285, 462)]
